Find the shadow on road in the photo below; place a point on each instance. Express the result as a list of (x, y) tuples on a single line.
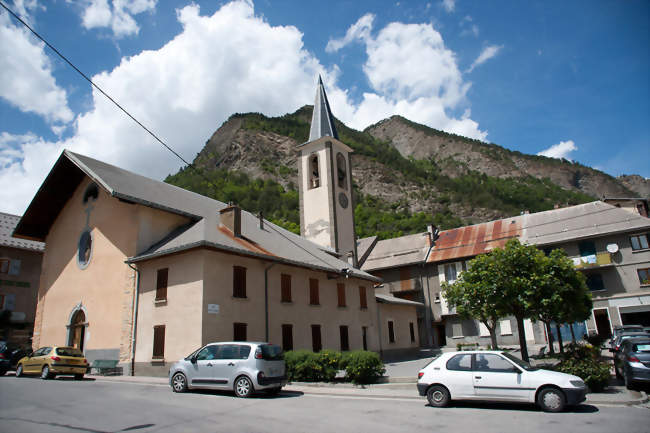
[(258, 395), (581, 408)]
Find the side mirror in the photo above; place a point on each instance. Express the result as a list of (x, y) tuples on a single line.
[(193, 359)]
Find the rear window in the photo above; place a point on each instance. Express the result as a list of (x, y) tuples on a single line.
[(69, 351), (642, 347), (272, 352)]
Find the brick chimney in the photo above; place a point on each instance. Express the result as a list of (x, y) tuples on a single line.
[(231, 219)]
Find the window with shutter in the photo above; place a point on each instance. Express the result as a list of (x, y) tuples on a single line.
[(161, 284), (239, 282), (313, 292), (239, 331), (340, 290), (345, 343), (285, 283), (287, 337), (391, 332), (316, 343), (412, 330), (159, 342), (362, 297)]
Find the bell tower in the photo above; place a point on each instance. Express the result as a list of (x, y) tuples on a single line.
[(326, 208)]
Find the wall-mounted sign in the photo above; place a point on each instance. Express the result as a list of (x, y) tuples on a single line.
[(213, 308)]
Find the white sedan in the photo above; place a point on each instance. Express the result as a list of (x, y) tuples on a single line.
[(497, 376)]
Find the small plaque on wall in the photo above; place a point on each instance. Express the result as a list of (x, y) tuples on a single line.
[(213, 308)]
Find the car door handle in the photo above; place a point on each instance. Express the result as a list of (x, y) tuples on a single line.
[(231, 364), (477, 377), (209, 365)]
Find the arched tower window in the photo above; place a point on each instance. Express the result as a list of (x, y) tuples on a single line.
[(341, 171), (314, 172), (84, 250)]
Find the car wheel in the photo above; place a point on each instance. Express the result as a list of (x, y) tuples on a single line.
[(243, 387), (551, 400), (45, 373), (179, 382), (79, 377), (3, 372), (438, 396), (629, 384), (19, 370)]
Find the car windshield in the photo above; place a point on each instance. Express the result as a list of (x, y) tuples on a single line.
[(272, 352), (69, 351), (644, 347), (523, 364)]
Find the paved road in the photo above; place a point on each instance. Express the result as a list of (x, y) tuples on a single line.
[(63, 405)]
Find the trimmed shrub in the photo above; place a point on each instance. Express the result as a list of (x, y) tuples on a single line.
[(595, 373), (581, 351), (302, 365), (596, 340), (363, 367)]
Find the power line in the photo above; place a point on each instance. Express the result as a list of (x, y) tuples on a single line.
[(99, 88)]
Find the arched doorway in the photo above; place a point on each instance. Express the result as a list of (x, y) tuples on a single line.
[(78, 330)]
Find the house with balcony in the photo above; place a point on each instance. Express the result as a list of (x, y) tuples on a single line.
[(608, 241)]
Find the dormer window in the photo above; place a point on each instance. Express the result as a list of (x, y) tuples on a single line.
[(341, 171), (314, 172)]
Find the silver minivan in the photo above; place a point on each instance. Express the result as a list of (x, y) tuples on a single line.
[(244, 367)]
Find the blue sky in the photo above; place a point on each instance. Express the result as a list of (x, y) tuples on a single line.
[(570, 79)]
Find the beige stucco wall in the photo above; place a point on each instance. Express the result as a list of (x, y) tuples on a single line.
[(181, 313), (401, 316), (104, 289)]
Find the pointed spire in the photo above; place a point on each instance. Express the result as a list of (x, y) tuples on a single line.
[(322, 121)]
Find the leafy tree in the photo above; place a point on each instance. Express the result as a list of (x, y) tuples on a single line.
[(476, 294)]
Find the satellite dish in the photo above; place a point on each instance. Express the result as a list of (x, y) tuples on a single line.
[(612, 248)]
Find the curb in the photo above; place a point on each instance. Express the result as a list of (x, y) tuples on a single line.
[(643, 398)]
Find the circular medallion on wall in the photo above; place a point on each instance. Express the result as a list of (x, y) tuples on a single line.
[(343, 200)]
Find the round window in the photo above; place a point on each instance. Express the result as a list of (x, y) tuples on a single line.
[(85, 249)]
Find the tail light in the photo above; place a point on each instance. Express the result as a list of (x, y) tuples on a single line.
[(2, 356), (632, 358), (420, 374), (258, 353), (85, 361), (55, 358)]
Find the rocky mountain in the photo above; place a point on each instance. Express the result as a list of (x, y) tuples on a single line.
[(406, 169)]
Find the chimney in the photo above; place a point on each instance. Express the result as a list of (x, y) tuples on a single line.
[(231, 219)]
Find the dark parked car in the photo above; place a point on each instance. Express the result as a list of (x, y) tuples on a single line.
[(632, 362), (9, 356), (615, 344)]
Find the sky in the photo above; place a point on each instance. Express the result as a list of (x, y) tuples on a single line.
[(562, 79)]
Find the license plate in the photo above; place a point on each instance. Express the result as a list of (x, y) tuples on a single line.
[(275, 372)]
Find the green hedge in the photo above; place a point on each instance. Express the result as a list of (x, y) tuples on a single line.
[(306, 366), (595, 373)]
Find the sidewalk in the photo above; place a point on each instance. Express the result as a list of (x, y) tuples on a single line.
[(614, 395)]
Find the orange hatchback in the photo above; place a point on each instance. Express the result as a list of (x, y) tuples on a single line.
[(52, 361)]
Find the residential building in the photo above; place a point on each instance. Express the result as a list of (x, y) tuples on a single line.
[(609, 243), (20, 268)]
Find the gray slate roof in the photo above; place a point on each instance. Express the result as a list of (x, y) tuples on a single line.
[(8, 223), (388, 299), (322, 121), (272, 243), (401, 251)]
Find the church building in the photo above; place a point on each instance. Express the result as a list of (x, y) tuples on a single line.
[(143, 272)]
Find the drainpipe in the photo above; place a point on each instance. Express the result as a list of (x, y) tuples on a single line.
[(429, 308), (379, 326), (266, 301), (135, 315)]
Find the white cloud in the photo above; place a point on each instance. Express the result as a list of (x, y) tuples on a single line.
[(118, 15), (26, 80), (488, 52), (468, 27), (560, 150), (357, 31), (449, 5), (187, 88)]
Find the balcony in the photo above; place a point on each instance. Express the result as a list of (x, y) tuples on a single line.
[(597, 260)]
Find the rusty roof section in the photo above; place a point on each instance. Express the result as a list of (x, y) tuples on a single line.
[(477, 239)]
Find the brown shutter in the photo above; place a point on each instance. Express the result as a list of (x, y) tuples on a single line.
[(161, 284), (345, 343), (287, 337), (313, 292), (315, 338), (340, 289), (239, 331), (391, 332), (412, 332), (363, 303), (238, 282), (159, 341), (285, 287)]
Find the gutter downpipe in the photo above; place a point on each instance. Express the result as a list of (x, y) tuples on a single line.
[(135, 316), (266, 301), (429, 308), (381, 351)]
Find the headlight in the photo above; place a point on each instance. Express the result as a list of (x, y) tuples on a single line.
[(577, 383)]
